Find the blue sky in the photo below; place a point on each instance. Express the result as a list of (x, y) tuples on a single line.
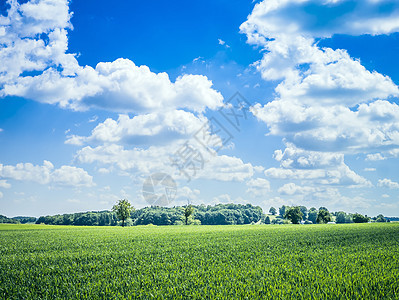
[(96, 97)]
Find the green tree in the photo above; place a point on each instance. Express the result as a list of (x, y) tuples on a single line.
[(341, 217), (267, 221), (312, 215), (188, 211), (323, 216), (380, 218), (304, 211), (122, 210), (358, 218), (294, 214), (273, 211), (281, 210)]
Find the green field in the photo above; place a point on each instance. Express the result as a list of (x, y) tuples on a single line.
[(200, 262)]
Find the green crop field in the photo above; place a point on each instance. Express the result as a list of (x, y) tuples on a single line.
[(200, 262)]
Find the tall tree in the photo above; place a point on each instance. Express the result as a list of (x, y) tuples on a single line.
[(281, 210), (188, 211), (294, 214), (340, 217), (123, 209), (381, 218), (304, 211), (273, 211), (312, 215), (323, 216), (358, 218)]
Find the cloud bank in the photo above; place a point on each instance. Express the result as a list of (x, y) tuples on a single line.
[(36, 65)]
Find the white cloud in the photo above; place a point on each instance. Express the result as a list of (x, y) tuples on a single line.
[(46, 174), (333, 200), (71, 176), (385, 196), (227, 168), (383, 155), (185, 194), (223, 43), (388, 183), (326, 100), (314, 167), (154, 128), (226, 198), (4, 184), (374, 157), (35, 39), (370, 169), (258, 187), (293, 189), (159, 159), (333, 128), (1, 195), (321, 18)]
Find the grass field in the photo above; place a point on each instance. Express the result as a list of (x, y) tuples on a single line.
[(200, 262)]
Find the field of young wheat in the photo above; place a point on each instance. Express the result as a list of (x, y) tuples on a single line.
[(200, 262)]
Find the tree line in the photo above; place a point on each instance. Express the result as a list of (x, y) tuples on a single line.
[(300, 214), (220, 214)]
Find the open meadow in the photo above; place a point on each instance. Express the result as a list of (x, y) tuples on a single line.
[(350, 261)]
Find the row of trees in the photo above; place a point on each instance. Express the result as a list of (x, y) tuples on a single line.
[(220, 214), (125, 215), (296, 214), (92, 218)]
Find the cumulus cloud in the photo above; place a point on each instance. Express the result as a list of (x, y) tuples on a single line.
[(145, 161), (321, 18), (326, 100), (34, 40), (226, 198), (258, 187), (154, 128), (293, 189), (314, 168), (46, 174), (4, 184), (334, 128), (388, 183)]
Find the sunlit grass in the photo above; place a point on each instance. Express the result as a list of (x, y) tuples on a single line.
[(346, 261)]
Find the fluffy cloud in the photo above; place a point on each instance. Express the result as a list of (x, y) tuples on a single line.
[(154, 128), (4, 184), (336, 128), (46, 174), (293, 189), (326, 100), (33, 38), (321, 18), (388, 183), (314, 168), (258, 187), (159, 159)]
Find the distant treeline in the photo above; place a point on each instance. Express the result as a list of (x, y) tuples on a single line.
[(220, 214), (17, 220), (91, 218)]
